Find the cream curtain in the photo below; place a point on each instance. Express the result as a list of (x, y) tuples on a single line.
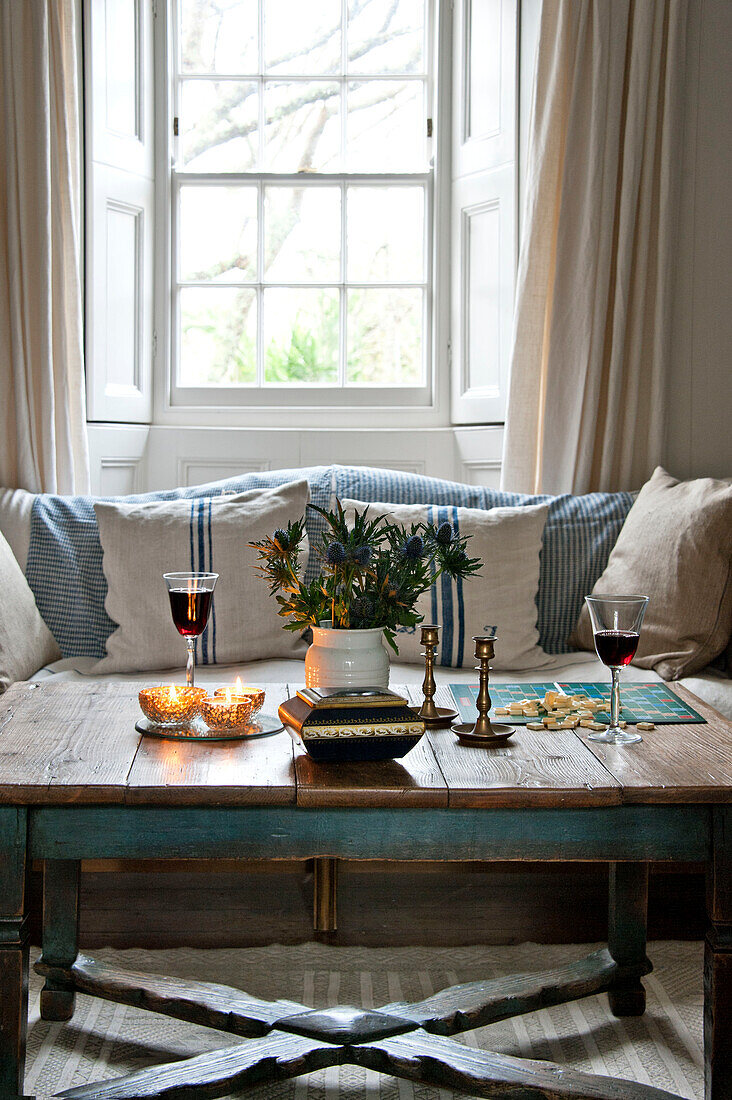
[(587, 400), (43, 445)]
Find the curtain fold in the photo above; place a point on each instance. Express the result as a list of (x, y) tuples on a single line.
[(42, 401), (588, 394)]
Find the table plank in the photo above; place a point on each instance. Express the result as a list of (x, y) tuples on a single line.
[(415, 780), (67, 742), (551, 768), (259, 771), (676, 763)]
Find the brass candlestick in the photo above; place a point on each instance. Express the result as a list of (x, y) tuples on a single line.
[(483, 732), (430, 714)]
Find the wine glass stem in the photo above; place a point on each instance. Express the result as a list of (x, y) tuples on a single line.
[(191, 661), (615, 699)]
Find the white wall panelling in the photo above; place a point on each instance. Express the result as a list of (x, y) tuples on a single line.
[(478, 455), (483, 206), (133, 458), (117, 458), (484, 85), (119, 224), (483, 276)]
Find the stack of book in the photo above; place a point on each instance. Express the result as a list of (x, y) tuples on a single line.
[(339, 724)]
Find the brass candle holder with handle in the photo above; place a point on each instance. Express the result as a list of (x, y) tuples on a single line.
[(483, 732), (432, 715)]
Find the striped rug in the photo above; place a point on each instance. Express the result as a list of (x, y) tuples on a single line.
[(104, 1040)]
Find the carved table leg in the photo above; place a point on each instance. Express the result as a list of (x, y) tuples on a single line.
[(718, 962), (60, 934), (13, 952), (325, 894), (627, 921)]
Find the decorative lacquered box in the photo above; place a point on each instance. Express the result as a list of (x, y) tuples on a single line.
[(353, 725)]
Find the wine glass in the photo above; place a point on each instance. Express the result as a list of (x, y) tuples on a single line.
[(616, 623), (190, 602)]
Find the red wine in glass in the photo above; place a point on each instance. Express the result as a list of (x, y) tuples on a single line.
[(190, 602), (615, 647), (190, 611), (616, 626)]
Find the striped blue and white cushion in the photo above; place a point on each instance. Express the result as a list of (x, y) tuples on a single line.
[(580, 532), (501, 599), (64, 566)]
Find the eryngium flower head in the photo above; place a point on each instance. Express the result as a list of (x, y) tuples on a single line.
[(362, 555), (335, 554), (362, 608), (444, 534), (280, 537), (413, 547)]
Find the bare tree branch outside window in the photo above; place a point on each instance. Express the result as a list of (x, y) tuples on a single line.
[(262, 260)]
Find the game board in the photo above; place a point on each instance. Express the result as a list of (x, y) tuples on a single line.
[(501, 695), (640, 702), (647, 702)]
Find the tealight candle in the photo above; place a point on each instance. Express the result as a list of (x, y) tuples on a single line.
[(254, 693), (226, 711), (169, 705)]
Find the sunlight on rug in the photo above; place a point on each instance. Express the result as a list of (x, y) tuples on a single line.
[(104, 1040)]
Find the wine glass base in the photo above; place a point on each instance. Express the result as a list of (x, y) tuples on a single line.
[(615, 737)]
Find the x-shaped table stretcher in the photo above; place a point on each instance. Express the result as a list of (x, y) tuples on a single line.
[(405, 1039)]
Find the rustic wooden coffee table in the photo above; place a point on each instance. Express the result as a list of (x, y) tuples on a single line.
[(76, 782)]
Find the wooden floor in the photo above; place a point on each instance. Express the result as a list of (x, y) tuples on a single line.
[(379, 905)]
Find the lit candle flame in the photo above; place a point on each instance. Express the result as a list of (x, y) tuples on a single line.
[(173, 694), (228, 697), (239, 686)]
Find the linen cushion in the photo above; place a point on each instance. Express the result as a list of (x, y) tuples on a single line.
[(64, 554), (500, 599), (16, 506), (143, 540), (26, 643), (579, 534), (676, 548)]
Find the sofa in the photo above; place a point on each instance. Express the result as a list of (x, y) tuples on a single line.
[(55, 541)]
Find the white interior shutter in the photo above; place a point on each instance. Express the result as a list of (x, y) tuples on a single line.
[(120, 205), (483, 230)]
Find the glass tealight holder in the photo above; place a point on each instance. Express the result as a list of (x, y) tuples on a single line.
[(224, 712), (254, 693), (170, 705)]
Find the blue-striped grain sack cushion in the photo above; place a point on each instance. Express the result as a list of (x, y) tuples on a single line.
[(64, 567), (580, 532)]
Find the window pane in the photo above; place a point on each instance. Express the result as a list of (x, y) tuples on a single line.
[(302, 37), (385, 234), (386, 36), (302, 128), (302, 234), (385, 337), (218, 126), (218, 336), (301, 329), (218, 234), (218, 36), (385, 127)]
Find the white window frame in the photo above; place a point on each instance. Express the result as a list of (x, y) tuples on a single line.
[(312, 406)]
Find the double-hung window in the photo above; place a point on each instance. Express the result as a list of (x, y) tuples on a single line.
[(301, 195), (298, 206)]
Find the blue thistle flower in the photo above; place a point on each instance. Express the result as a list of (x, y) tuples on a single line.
[(413, 547), (362, 608), (444, 534), (335, 554), (280, 537), (362, 555)]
